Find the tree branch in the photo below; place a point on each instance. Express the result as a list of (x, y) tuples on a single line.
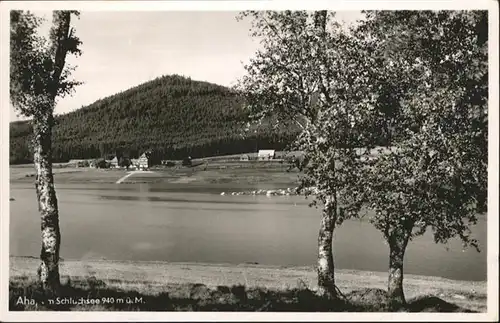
[(59, 39)]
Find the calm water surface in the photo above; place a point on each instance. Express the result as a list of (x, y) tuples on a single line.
[(148, 222)]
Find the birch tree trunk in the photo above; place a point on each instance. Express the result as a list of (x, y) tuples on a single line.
[(47, 203), (326, 268), (37, 77), (397, 247), (326, 272)]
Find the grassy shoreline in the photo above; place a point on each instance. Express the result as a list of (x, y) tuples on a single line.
[(199, 281)]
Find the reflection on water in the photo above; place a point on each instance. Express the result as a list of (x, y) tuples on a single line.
[(153, 222)]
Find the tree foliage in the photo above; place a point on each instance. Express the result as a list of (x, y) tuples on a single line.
[(37, 65), (437, 175)]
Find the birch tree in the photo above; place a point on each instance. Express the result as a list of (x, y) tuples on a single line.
[(39, 76), (431, 79), (306, 64)]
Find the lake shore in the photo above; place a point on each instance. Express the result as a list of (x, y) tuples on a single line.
[(153, 278), (179, 279)]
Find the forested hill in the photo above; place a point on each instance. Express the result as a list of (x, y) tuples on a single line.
[(172, 115)]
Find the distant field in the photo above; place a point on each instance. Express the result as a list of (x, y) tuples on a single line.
[(237, 173), (26, 174)]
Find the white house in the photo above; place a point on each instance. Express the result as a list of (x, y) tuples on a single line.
[(266, 154), (143, 161)]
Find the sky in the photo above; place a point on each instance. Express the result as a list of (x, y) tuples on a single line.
[(124, 49)]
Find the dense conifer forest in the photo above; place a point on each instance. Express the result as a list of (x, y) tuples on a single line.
[(172, 116)]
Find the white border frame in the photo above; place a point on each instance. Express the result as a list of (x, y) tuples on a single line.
[(493, 184)]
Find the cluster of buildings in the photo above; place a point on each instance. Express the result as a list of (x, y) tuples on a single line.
[(145, 161)]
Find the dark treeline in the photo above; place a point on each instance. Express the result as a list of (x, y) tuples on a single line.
[(173, 116)]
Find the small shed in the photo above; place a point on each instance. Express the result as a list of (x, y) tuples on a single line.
[(266, 154), (244, 158)]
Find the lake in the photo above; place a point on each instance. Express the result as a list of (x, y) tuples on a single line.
[(156, 223)]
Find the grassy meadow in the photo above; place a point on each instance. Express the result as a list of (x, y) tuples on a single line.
[(161, 286), (237, 173)]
